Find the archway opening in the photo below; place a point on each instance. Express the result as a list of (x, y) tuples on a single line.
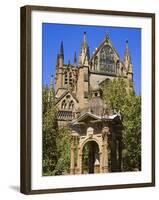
[(90, 158)]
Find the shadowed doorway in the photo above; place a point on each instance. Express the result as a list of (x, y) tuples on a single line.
[(90, 158)]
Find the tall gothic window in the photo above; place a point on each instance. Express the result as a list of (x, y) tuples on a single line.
[(63, 105), (95, 63), (117, 66), (66, 78), (71, 105), (70, 79), (121, 70), (107, 63)]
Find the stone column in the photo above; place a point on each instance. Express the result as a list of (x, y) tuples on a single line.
[(72, 166), (80, 163), (105, 149), (101, 161)]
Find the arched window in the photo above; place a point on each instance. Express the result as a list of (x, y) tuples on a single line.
[(122, 71), (68, 97), (91, 66), (95, 63), (107, 80), (70, 79), (107, 59), (117, 66), (63, 105), (71, 105), (66, 78)]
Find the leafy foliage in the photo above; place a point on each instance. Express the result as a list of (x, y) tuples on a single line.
[(132, 134), (85, 159), (117, 97), (56, 142), (49, 134), (63, 151)]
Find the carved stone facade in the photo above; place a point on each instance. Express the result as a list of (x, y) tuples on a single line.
[(80, 104), (105, 132)]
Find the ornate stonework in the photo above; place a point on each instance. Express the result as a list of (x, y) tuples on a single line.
[(90, 128)]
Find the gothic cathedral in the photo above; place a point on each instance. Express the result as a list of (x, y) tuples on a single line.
[(80, 105)]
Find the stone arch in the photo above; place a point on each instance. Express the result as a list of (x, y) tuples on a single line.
[(90, 157), (107, 80), (90, 140), (102, 155), (80, 152)]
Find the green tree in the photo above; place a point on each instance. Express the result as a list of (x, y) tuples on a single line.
[(49, 131), (132, 134), (63, 142), (56, 142), (117, 97)]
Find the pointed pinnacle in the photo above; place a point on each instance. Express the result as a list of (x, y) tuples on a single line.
[(84, 40), (127, 47), (75, 58), (107, 36), (61, 48)]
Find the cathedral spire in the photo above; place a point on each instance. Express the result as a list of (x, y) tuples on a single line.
[(75, 58), (84, 56), (51, 89), (127, 59), (61, 50), (84, 40), (59, 67), (128, 64), (127, 56), (60, 57)]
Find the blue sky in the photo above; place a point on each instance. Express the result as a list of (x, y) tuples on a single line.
[(72, 37)]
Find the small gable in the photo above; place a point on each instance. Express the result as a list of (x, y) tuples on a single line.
[(67, 101)]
